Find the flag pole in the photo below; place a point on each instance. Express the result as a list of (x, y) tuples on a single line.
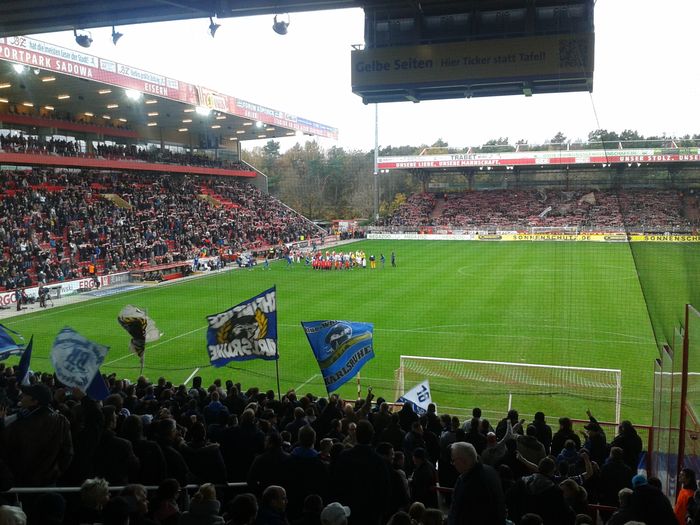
[(359, 387), (277, 369)]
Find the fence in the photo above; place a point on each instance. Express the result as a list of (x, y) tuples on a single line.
[(674, 442)]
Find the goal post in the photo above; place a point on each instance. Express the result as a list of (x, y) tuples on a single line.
[(497, 386)]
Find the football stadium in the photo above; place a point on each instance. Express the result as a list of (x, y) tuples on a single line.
[(197, 328)]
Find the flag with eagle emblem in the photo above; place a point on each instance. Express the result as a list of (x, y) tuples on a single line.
[(341, 348), (246, 331), (141, 328)]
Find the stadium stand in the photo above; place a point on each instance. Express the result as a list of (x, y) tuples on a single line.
[(644, 210), (56, 224), (167, 437), (21, 143)]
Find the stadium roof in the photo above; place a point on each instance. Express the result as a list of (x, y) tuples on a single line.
[(30, 17), (25, 17), (63, 81)]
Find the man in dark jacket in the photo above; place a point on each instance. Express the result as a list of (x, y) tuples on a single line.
[(269, 467), (649, 505), (362, 479), (305, 472), (37, 445), (544, 431), (273, 507), (565, 432), (540, 495), (630, 443), (115, 460), (477, 497), (614, 476)]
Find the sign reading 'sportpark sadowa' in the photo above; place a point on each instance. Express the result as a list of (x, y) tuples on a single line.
[(246, 331)]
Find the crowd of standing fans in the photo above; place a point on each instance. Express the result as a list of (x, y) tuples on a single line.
[(309, 460), (54, 225)]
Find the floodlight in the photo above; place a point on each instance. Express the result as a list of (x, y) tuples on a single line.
[(116, 36), (280, 26), (133, 94), (19, 68), (83, 40), (213, 27), (201, 110)]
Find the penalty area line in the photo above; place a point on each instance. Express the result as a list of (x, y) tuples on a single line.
[(191, 375), (307, 382)]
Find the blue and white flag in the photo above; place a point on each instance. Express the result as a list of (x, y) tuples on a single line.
[(418, 397), (97, 389), (246, 331), (8, 346), (76, 359), (340, 347)]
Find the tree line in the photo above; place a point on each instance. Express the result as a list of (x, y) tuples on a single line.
[(336, 183)]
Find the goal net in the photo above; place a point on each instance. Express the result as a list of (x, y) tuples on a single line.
[(458, 385)]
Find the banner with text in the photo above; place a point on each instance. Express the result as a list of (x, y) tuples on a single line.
[(246, 331), (341, 349), (517, 59)]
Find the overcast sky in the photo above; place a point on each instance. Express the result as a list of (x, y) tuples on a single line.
[(647, 76)]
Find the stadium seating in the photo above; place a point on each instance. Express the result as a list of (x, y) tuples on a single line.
[(647, 210), (57, 223)]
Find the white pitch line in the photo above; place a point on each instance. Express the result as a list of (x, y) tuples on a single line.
[(307, 382), (158, 344), (191, 375)]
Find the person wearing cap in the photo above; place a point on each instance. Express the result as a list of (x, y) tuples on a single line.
[(37, 446), (335, 514), (649, 505), (477, 497)]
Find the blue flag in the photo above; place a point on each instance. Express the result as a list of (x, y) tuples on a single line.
[(246, 331), (8, 346), (76, 359), (23, 367), (340, 347), (97, 389)]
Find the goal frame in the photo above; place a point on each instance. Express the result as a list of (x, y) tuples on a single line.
[(401, 387)]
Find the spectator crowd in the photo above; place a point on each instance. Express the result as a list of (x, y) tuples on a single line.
[(54, 225), (304, 460), (21, 143), (642, 210)]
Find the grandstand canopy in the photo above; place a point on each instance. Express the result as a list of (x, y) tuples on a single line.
[(30, 17), (55, 82)]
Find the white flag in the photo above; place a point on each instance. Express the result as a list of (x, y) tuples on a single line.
[(418, 397), (76, 359)]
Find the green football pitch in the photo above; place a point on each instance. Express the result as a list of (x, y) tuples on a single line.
[(550, 303)]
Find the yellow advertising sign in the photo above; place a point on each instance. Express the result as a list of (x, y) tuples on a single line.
[(513, 58)]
